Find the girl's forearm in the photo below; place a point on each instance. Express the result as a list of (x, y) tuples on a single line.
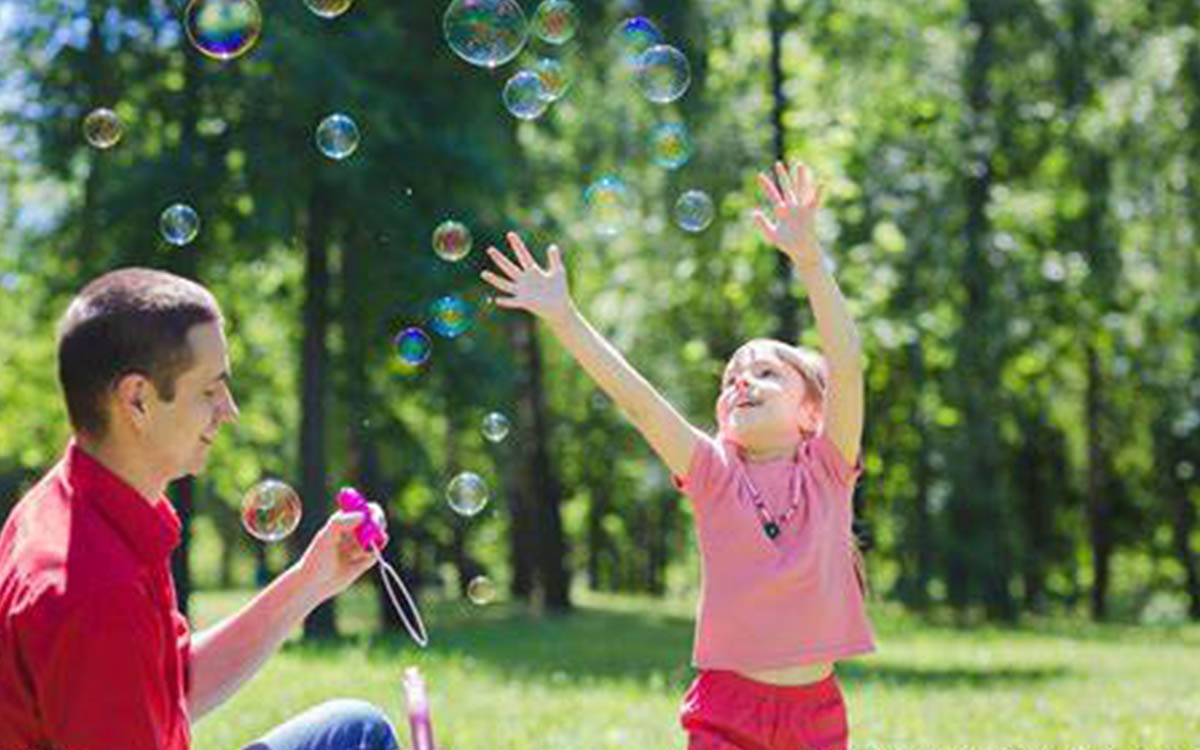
[(839, 333), (667, 432)]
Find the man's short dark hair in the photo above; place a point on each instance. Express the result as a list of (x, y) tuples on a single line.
[(135, 320)]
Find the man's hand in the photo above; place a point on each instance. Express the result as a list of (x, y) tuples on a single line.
[(335, 559)]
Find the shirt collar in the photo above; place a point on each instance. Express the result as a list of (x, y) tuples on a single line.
[(150, 528)]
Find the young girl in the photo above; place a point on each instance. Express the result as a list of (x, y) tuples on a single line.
[(781, 597)]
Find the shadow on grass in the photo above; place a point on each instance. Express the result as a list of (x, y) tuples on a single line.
[(595, 644)]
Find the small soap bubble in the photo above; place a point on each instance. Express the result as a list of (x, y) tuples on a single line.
[(525, 96), (481, 590), (487, 33), (102, 128), (413, 346), (670, 145), (179, 224), (495, 427), (329, 8), (694, 211), (271, 511), (555, 21), (450, 316), (222, 29), (337, 136), (452, 240), (632, 37), (555, 80), (663, 73), (467, 494), (609, 205)]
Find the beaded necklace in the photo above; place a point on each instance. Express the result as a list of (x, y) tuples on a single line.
[(772, 525)]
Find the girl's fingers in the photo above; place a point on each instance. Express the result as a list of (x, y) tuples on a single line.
[(768, 186), (785, 183), (509, 302), (503, 263), (802, 180), (503, 285), (815, 203), (555, 258), (765, 225), (524, 257)]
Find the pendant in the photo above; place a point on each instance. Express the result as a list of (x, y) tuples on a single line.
[(772, 529)]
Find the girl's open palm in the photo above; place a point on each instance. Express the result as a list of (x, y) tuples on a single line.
[(541, 291), (795, 201)]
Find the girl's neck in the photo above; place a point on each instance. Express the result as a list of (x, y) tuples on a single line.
[(768, 453)]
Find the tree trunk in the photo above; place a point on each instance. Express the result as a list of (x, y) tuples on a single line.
[(787, 306), (542, 477), (321, 623), (520, 490)]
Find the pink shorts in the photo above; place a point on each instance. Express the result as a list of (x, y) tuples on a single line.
[(726, 711)]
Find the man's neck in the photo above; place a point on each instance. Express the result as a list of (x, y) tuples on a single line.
[(120, 462)]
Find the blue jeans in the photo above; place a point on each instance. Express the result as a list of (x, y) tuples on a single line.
[(335, 725)]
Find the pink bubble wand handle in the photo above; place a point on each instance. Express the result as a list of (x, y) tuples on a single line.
[(370, 536)]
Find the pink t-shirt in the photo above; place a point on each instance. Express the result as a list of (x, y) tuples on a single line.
[(771, 603)]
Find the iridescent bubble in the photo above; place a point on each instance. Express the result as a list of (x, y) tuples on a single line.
[(179, 224), (413, 346), (481, 590), (102, 128), (271, 511), (452, 240), (222, 29), (467, 494), (525, 96), (694, 211), (555, 80), (450, 316), (609, 204), (485, 32), (329, 8), (663, 73), (337, 136), (670, 145), (495, 426), (555, 21), (633, 36)]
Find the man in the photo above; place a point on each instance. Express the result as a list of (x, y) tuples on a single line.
[(94, 654)]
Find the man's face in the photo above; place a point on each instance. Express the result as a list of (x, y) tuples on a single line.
[(178, 434)]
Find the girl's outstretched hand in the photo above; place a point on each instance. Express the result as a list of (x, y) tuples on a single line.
[(541, 291), (794, 202)]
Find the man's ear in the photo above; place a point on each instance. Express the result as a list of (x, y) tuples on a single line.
[(132, 396)]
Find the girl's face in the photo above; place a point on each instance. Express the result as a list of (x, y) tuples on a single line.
[(764, 403)]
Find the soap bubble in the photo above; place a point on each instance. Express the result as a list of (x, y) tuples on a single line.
[(632, 37), (694, 211), (609, 205), (413, 346), (555, 21), (222, 29), (329, 8), (555, 80), (525, 96), (487, 33), (467, 494), (452, 240), (663, 73), (271, 511), (481, 590), (102, 128), (495, 427), (670, 145), (450, 316), (179, 224), (337, 136)]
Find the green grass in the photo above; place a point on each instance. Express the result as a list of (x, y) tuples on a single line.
[(611, 676)]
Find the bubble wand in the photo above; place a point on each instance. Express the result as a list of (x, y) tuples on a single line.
[(369, 535)]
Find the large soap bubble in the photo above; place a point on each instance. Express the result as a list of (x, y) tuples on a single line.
[(222, 29), (486, 33)]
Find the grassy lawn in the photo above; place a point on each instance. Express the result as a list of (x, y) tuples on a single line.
[(612, 674)]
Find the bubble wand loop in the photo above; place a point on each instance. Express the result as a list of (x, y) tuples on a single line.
[(369, 535)]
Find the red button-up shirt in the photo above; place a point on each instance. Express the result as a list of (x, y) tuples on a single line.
[(93, 650)]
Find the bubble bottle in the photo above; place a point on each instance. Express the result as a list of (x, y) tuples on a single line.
[(418, 710)]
